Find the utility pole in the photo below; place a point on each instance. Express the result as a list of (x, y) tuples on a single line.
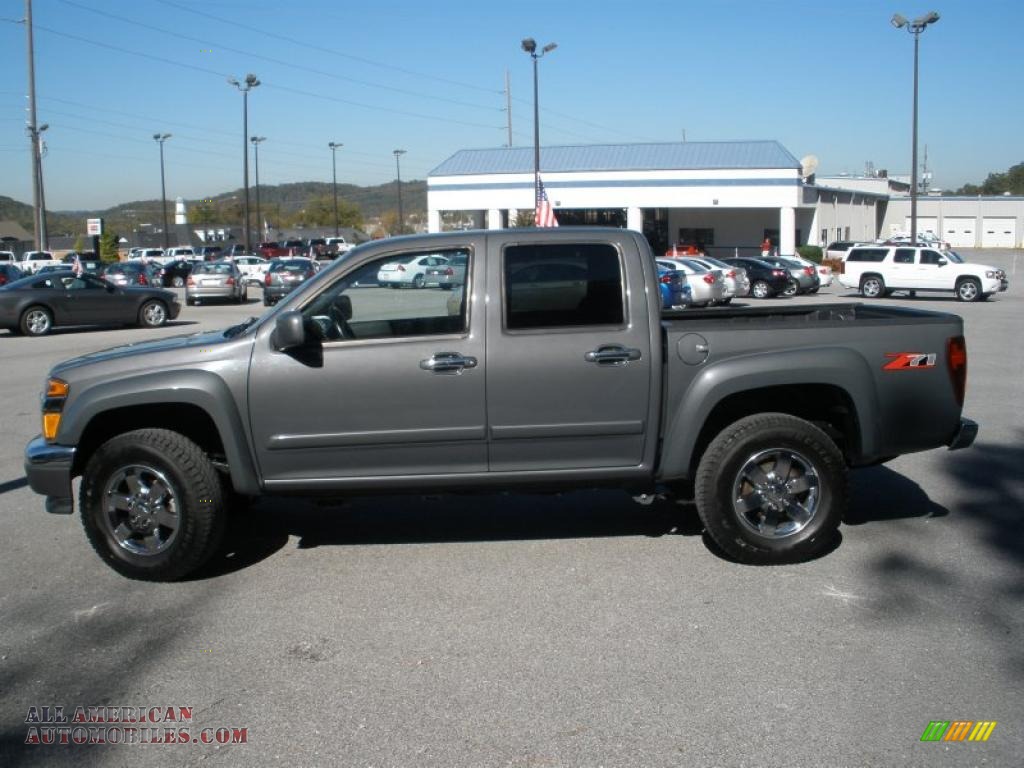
[(398, 174), (160, 138), (256, 141), (33, 134)]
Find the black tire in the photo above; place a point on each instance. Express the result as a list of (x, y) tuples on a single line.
[(152, 542), (753, 532), (190, 302), (419, 281), (266, 302), (178, 282), (872, 286), (152, 314), (760, 290), (814, 290), (968, 289), (792, 289), (723, 302), (36, 321)]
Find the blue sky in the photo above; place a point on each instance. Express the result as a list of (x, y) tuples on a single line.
[(829, 78)]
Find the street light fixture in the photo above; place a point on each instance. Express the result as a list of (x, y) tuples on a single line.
[(251, 81), (160, 138), (530, 46), (398, 171), (335, 146), (915, 27), (256, 140)]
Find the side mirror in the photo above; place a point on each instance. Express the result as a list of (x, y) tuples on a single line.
[(943, 262), (289, 331)]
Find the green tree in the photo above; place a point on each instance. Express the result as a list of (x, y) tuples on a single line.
[(524, 218), (204, 213), (108, 246), (79, 245), (1010, 182)]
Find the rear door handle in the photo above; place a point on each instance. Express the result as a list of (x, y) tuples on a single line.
[(612, 354), (448, 362)]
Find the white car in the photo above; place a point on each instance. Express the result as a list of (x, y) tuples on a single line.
[(410, 272), (339, 245), (150, 256), (736, 281), (178, 252), (8, 257), (878, 270), (706, 286), (253, 268)]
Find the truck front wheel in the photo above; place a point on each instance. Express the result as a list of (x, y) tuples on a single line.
[(772, 488), (152, 505)]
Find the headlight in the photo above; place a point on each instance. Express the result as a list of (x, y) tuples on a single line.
[(992, 273), (53, 405)]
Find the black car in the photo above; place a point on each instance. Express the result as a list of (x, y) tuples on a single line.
[(209, 252), (87, 259), (766, 280), (175, 273), (9, 273), (34, 305)]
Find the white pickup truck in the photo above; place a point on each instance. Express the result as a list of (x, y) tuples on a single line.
[(339, 245), (32, 261)]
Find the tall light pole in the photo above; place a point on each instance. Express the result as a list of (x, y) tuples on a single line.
[(256, 140), (398, 171), (44, 238), (251, 81), (915, 27), (530, 46), (335, 146), (160, 138)]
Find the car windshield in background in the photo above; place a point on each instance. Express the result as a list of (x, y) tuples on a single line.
[(290, 266), (955, 257), (213, 269)]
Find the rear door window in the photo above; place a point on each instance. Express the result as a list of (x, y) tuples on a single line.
[(562, 286)]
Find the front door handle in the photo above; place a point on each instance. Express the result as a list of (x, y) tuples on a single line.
[(448, 362), (612, 354)]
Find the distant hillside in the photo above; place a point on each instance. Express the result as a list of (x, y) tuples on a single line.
[(373, 201)]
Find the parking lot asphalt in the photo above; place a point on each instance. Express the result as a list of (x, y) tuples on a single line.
[(522, 630)]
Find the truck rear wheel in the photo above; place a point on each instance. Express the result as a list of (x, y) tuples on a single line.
[(872, 287), (151, 505), (772, 488)]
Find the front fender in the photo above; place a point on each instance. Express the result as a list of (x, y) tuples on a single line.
[(199, 388)]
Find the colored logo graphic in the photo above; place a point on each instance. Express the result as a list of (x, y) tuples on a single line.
[(958, 730)]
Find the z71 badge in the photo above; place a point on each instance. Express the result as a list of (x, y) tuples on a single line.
[(909, 361)]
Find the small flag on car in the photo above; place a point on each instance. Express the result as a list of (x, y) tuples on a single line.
[(77, 269)]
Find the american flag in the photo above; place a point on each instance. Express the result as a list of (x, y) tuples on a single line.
[(77, 269), (544, 216)]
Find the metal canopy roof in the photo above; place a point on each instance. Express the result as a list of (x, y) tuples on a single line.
[(677, 156)]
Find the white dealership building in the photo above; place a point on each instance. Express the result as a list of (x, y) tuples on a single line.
[(727, 196)]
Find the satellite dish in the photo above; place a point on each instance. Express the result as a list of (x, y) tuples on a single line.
[(808, 165)]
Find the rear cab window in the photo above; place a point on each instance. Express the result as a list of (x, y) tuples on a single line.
[(867, 254)]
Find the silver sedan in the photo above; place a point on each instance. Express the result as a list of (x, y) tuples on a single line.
[(706, 285), (215, 280)]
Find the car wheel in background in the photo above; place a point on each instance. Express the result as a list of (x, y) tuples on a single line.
[(152, 314), (772, 488), (872, 287), (760, 290), (791, 288), (151, 505), (178, 282), (36, 321), (418, 281), (968, 289)]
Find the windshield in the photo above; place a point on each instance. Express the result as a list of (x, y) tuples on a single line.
[(955, 257)]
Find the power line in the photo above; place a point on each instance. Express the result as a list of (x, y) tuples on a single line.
[(307, 45), (273, 60)]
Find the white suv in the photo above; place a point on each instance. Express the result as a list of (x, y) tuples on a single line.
[(878, 270)]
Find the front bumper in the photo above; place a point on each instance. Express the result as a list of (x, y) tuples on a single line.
[(48, 469), (965, 434)]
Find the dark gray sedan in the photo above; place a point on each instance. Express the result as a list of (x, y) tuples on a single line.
[(35, 304)]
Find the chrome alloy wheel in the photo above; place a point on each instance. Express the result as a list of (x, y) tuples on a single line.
[(38, 321), (776, 493), (154, 314), (140, 510)]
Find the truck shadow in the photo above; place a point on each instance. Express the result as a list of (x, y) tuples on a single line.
[(265, 527)]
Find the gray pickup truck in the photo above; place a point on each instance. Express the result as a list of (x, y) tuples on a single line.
[(552, 367)]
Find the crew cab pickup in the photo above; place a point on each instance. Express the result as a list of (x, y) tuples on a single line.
[(552, 367), (32, 261)]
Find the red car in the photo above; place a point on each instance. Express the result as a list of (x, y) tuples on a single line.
[(272, 250)]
